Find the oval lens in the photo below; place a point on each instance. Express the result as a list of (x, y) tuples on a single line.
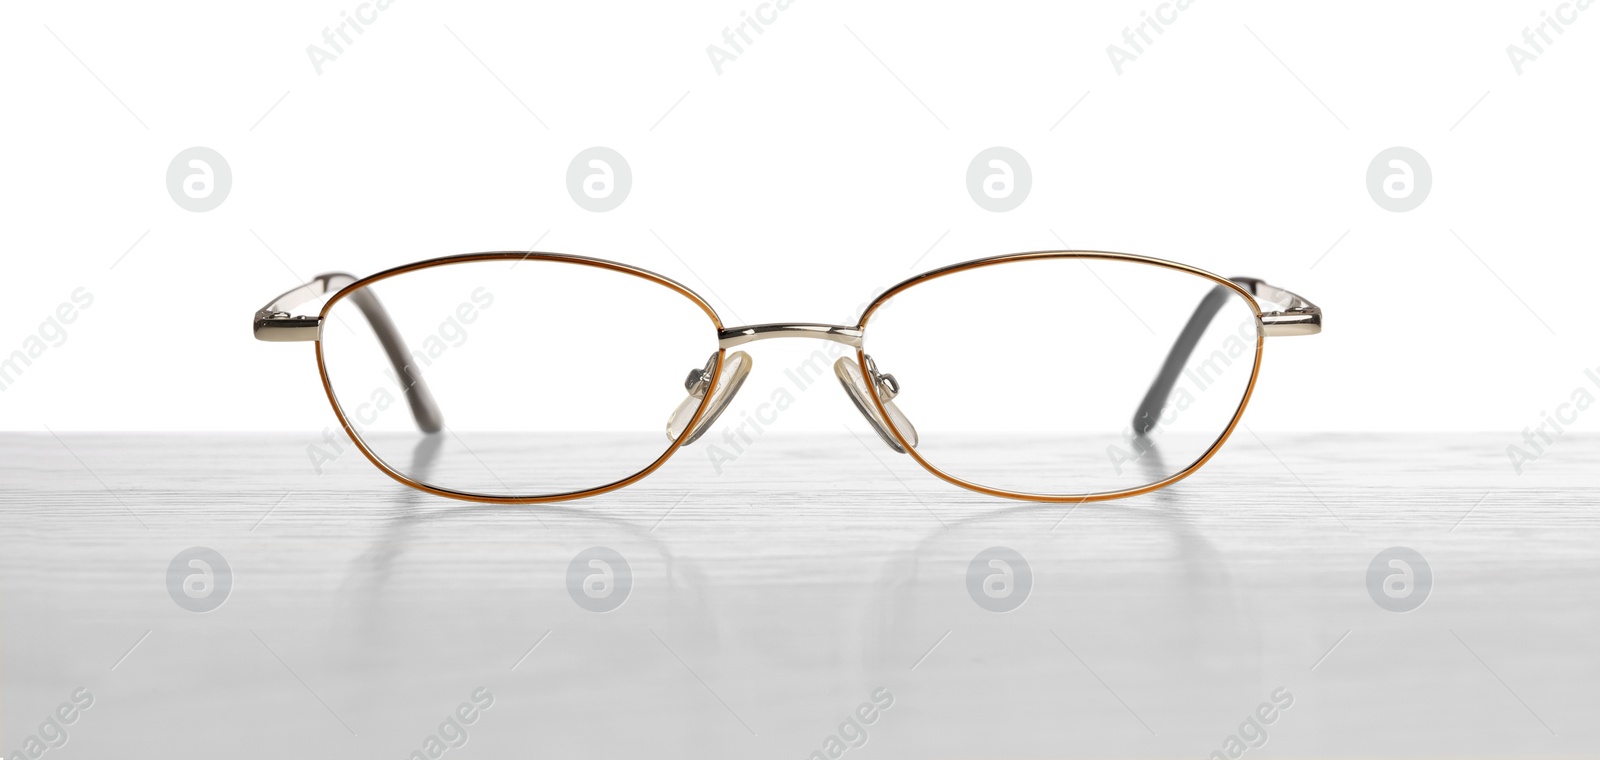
[(514, 377), (1069, 375)]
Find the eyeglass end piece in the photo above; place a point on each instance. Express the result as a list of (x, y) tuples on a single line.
[(1296, 322), (277, 327)]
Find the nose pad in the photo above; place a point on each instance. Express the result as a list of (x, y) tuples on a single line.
[(855, 386), (734, 370)]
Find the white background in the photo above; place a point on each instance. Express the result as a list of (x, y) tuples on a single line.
[(801, 179)]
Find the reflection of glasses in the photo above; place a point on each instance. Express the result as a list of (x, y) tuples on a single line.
[(1026, 374)]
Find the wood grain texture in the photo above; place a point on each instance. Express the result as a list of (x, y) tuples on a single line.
[(770, 600)]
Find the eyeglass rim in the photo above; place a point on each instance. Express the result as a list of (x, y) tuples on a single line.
[(482, 498), (1082, 498)]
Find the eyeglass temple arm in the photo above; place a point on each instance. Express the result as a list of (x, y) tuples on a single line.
[(1295, 316), (274, 323)]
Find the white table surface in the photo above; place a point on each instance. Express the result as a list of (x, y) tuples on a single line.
[(771, 600)]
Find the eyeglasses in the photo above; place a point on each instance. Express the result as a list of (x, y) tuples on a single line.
[(1059, 376)]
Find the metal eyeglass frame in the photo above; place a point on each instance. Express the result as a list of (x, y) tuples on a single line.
[(274, 322)]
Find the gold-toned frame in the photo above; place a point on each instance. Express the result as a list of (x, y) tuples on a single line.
[(327, 386), (1255, 371), (275, 323)]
